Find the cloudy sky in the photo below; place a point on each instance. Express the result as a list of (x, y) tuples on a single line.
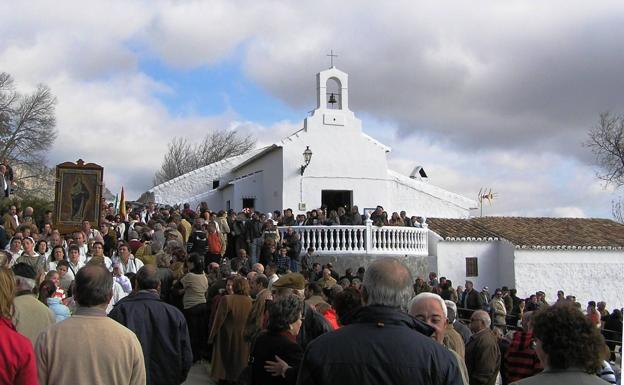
[(482, 94)]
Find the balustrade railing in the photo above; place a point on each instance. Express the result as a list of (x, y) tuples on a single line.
[(367, 239)]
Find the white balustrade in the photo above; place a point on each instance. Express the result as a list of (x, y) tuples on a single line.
[(367, 239)]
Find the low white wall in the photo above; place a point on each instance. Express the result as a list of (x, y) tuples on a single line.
[(451, 262), (587, 274)]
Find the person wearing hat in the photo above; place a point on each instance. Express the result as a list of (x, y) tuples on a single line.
[(293, 281), (485, 297), (31, 316), (314, 324)]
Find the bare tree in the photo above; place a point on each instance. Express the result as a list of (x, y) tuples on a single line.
[(178, 160), (27, 132), (184, 156), (606, 141), (617, 210)]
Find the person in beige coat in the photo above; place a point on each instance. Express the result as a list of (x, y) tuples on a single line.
[(230, 350), (499, 313), (89, 347), (30, 315)]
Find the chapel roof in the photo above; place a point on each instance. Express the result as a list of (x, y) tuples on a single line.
[(216, 168), (435, 191), (534, 233)]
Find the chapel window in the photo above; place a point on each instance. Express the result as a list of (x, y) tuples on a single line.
[(472, 267)]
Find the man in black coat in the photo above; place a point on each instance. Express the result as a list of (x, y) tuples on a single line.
[(293, 243), (197, 241), (471, 301), (160, 328), (382, 344)]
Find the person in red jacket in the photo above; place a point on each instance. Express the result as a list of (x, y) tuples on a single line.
[(16, 351), (521, 360)]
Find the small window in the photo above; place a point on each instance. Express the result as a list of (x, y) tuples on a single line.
[(249, 203), (472, 267), (215, 184), (227, 205)]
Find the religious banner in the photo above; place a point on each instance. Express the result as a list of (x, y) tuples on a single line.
[(77, 196)]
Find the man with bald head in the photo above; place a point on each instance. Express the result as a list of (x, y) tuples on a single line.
[(382, 344), (101, 351), (483, 355), (160, 327), (258, 268)]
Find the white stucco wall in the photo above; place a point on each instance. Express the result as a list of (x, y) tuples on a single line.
[(227, 194), (506, 266), (588, 274), (343, 159), (213, 198), (270, 190), (250, 186), (451, 262)]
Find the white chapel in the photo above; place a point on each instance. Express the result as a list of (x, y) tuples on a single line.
[(329, 161)]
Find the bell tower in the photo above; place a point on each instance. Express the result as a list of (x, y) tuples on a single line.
[(332, 90), (332, 103)]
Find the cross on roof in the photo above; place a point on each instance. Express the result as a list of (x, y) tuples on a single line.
[(331, 57)]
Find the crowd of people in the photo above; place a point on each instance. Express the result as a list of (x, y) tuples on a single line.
[(144, 297)]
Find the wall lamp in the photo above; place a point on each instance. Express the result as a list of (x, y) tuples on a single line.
[(307, 155)]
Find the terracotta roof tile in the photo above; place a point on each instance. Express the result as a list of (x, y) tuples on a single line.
[(535, 232), (449, 228)]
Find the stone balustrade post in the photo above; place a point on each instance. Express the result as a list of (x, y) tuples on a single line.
[(368, 244)]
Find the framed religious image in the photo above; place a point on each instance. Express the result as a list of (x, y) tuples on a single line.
[(77, 196)]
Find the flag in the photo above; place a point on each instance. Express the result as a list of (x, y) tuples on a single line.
[(116, 203), (122, 205)]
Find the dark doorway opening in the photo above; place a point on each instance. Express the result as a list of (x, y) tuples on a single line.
[(337, 198), (249, 203)]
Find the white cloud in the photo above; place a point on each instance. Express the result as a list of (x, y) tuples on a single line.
[(569, 212), (487, 94)]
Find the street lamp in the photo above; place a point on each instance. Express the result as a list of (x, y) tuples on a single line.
[(307, 155)]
